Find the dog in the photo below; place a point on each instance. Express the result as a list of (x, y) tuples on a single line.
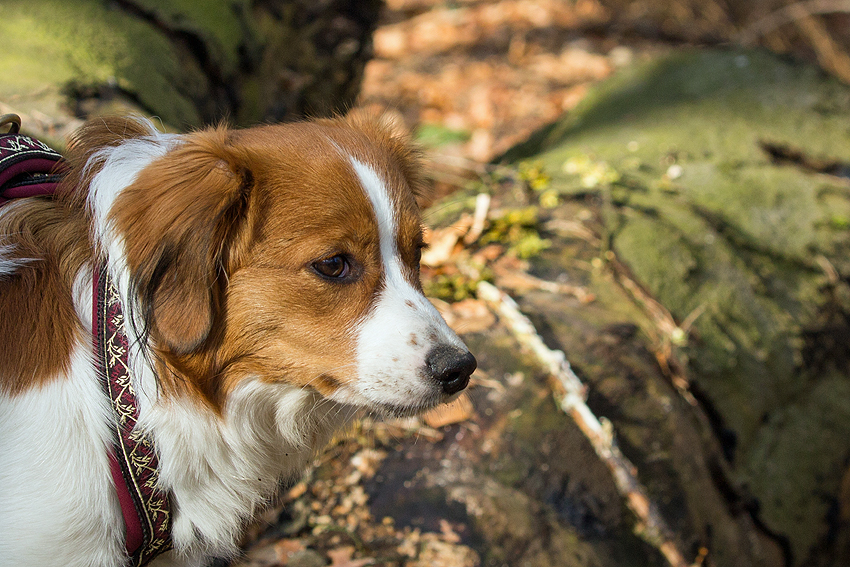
[(268, 284)]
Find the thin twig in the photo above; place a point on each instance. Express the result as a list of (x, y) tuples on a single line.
[(479, 218), (668, 332), (598, 431), (830, 55), (519, 280), (789, 14)]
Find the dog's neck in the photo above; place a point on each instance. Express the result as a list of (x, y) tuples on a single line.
[(220, 469)]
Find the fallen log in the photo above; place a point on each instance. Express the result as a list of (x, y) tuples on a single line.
[(651, 526)]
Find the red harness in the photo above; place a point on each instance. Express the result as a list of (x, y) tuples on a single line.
[(30, 168)]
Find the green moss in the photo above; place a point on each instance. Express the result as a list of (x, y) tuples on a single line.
[(436, 135), (451, 288), (796, 461), (534, 174), (220, 27), (517, 228), (84, 44), (707, 223)]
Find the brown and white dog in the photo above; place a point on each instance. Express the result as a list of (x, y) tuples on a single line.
[(270, 283)]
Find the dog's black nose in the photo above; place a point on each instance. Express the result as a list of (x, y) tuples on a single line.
[(451, 367)]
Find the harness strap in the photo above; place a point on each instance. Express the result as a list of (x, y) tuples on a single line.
[(29, 168), (134, 463)]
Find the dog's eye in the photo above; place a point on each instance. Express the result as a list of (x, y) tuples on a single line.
[(420, 246), (418, 252), (335, 267)]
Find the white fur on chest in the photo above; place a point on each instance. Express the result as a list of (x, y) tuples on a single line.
[(55, 485), (221, 471), (218, 470)]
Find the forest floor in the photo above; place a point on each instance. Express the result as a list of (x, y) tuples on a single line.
[(470, 80), (487, 74)]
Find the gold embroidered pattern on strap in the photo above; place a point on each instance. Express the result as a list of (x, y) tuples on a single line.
[(134, 451)]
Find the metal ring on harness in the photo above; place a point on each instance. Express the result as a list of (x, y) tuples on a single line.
[(13, 121)]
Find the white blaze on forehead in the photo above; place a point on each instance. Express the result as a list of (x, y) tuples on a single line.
[(384, 211), (402, 327)]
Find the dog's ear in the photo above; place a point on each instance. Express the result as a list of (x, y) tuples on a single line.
[(182, 221)]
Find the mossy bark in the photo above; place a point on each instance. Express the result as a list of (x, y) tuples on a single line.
[(189, 62), (709, 224)]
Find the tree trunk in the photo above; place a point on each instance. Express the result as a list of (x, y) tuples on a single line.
[(189, 62)]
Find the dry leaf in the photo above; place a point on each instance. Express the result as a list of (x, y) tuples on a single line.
[(443, 241), (471, 316), (449, 414), (341, 557), (286, 548)]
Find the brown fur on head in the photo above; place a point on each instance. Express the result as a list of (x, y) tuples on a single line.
[(221, 233), (222, 229)]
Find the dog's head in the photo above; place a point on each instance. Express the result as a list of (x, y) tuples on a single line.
[(287, 254)]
